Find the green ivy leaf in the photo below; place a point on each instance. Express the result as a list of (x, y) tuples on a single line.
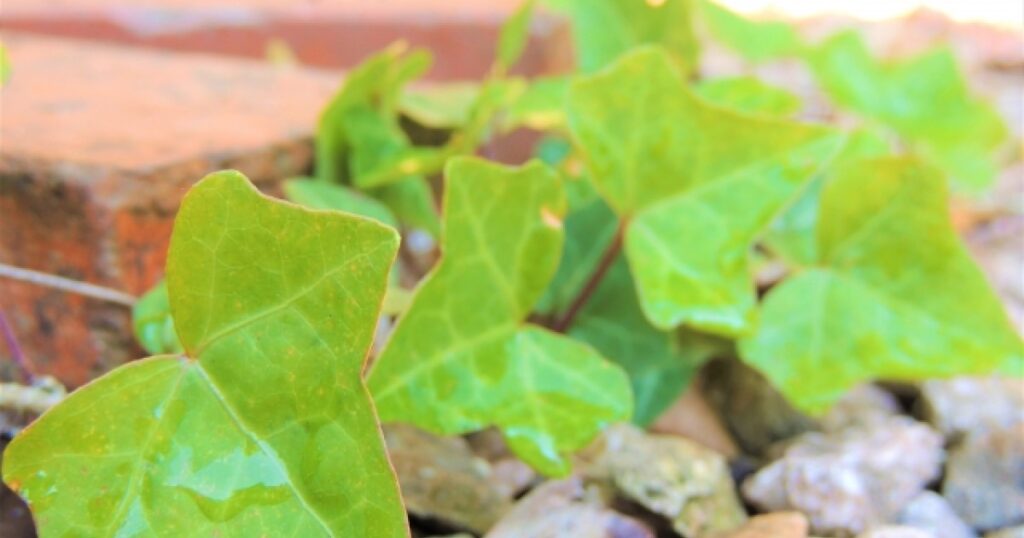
[(749, 95), (605, 29), (151, 319), (589, 229), (264, 426), (925, 99), (896, 295), (655, 151), (792, 235), (372, 87), (515, 34), (319, 195), (756, 41), (541, 106), (359, 140), (440, 106), (461, 358), (660, 364)]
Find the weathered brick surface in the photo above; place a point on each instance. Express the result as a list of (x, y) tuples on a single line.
[(325, 33), (97, 146)]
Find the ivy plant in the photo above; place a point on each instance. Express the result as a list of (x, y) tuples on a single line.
[(262, 425), (924, 99), (566, 294), (655, 152), (461, 357)]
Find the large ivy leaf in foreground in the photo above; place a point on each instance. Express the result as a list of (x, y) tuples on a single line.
[(925, 99), (896, 295), (263, 427), (461, 358), (696, 185)]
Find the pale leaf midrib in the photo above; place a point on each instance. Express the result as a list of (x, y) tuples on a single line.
[(244, 428)]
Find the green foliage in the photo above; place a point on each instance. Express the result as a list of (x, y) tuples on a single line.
[(461, 357), (749, 95), (539, 106), (655, 152), (894, 294), (360, 141), (567, 297), (605, 29), (263, 426), (151, 319), (756, 41), (514, 35), (440, 106), (319, 195), (925, 99), (792, 235)]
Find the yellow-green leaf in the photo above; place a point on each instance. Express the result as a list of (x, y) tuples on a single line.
[(757, 41), (514, 36), (749, 95), (696, 184), (925, 99), (896, 297), (461, 357), (263, 427), (605, 29)]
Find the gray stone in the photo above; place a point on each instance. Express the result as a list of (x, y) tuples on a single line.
[(972, 404), (985, 478), (565, 508), (442, 480), (861, 405), (679, 479), (931, 512), (852, 480)]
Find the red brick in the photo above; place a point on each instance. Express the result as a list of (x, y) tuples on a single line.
[(325, 33), (97, 146)]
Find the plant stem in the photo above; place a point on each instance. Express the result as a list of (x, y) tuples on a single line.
[(66, 284), (17, 356), (563, 323)]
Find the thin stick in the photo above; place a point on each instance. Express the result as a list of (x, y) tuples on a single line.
[(610, 253), (12, 345), (66, 284)]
